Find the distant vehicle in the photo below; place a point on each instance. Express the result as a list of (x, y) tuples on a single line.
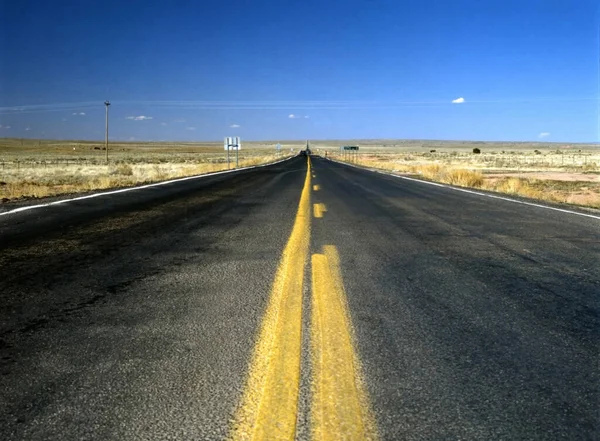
[(305, 152)]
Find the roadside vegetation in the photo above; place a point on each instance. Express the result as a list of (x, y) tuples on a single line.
[(555, 176), (48, 170)]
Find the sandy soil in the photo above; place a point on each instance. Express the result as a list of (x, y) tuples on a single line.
[(548, 175)]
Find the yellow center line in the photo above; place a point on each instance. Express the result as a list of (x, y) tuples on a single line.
[(319, 209), (340, 407), (316, 187), (270, 399)]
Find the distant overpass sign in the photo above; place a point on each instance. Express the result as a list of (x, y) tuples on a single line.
[(349, 147), (278, 147)]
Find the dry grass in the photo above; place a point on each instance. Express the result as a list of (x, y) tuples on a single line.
[(584, 193), (434, 172), (453, 176), (38, 182)]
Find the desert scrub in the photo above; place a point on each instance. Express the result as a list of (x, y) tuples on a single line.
[(122, 169), (572, 192), (38, 182), (460, 177)]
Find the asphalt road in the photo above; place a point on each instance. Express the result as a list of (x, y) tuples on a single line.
[(136, 315)]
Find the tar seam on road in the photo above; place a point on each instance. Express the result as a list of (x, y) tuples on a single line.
[(340, 407), (123, 190), (270, 399), (471, 191)]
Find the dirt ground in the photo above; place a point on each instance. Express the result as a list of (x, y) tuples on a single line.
[(549, 175)]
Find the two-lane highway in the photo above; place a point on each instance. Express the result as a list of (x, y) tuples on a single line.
[(308, 300)]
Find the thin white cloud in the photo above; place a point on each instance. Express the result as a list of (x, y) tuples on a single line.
[(163, 123), (179, 120), (458, 100), (79, 113), (4, 127), (139, 118), (235, 126), (190, 128), (27, 129), (292, 116), (543, 135), (64, 119)]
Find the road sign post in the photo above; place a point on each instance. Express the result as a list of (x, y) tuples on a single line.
[(232, 142), (350, 153)]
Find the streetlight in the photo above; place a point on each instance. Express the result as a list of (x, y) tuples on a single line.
[(106, 103)]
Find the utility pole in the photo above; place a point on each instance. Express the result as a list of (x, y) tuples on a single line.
[(106, 103)]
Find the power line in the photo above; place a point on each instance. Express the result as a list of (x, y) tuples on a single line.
[(285, 105)]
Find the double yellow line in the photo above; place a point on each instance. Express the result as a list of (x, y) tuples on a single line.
[(339, 406)]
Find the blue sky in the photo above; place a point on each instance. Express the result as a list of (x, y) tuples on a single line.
[(194, 70)]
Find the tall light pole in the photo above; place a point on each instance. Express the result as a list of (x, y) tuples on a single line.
[(106, 104)]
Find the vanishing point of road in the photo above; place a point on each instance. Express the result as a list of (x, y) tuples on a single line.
[(306, 300)]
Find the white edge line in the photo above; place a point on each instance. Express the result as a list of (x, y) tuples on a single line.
[(464, 190), (123, 190)]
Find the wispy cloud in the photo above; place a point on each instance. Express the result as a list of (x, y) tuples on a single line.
[(27, 129), (190, 128), (458, 100), (163, 123), (235, 126), (79, 113), (179, 120), (544, 135), (292, 116), (139, 118), (4, 127)]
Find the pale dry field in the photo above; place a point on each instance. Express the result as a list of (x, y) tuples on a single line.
[(565, 173), (36, 169)]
